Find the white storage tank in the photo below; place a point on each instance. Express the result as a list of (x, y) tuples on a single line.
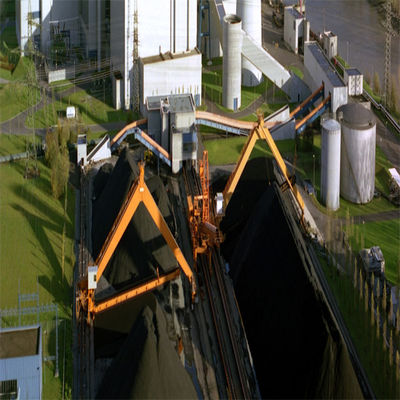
[(231, 73), (250, 13), (357, 162), (330, 164)]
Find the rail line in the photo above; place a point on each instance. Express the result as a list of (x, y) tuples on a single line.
[(83, 374), (210, 269)]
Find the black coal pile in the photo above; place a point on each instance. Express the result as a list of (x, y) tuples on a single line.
[(101, 178), (296, 347), (142, 248), (147, 365)]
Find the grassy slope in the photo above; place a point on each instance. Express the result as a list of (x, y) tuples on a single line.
[(16, 97), (12, 144), (30, 237), (91, 110), (30, 251)]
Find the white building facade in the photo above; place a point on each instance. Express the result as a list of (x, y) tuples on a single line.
[(164, 29)]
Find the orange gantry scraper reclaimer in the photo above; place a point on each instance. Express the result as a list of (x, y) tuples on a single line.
[(138, 193)]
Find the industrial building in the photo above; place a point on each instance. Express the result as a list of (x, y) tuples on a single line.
[(296, 29), (171, 122), (76, 23), (21, 363), (319, 70), (169, 62)]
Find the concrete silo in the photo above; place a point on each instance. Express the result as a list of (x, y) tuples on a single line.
[(250, 12), (330, 164), (232, 45), (357, 162)]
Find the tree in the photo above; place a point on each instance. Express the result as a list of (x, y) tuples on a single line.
[(376, 84), (58, 158), (60, 173)]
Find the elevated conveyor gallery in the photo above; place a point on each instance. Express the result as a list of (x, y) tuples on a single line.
[(313, 115)]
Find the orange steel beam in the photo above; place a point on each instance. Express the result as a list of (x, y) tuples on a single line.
[(245, 125), (299, 107), (125, 128), (137, 291), (307, 117), (282, 166), (259, 133), (138, 193), (155, 144)]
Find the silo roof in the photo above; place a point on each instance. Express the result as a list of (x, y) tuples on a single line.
[(356, 115), (331, 125)]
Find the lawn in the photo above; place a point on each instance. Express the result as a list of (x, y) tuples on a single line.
[(16, 97), (385, 234), (363, 333), (297, 71), (226, 151), (20, 72), (30, 256), (12, 144), (266, 109), (31, 237), (91, 110)]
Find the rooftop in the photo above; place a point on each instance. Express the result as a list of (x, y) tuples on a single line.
[(168, 56), (353, 71), (177, 102), (19, 343), (330, 72), (293, 11)]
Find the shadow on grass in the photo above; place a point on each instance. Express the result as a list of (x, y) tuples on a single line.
[(57, 284)]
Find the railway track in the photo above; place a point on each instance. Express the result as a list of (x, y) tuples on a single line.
[(209, 267), (82, 373)]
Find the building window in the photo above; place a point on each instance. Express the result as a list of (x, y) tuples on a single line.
[(9, 390)]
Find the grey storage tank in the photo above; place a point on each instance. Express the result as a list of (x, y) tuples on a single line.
[(357, 162), (232, 47), (330, 164)]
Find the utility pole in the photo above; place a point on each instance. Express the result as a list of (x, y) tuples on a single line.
[(390, 32), (135, 86)]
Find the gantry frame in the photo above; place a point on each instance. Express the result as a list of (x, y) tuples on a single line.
[(138, 193), (262, 133)]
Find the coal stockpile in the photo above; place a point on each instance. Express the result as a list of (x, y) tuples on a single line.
[(142, 248), (297, 349), (147, 366)]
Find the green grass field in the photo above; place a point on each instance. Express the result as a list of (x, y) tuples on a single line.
[(386, 234), (226, 151), (30, 255), (16, 97), (31, 237), (12, 144), (91, 111), (20, 71)]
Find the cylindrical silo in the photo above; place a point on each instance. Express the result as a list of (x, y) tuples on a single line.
[(250, 12), (357, 162), (232, 46), (330, 164)]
